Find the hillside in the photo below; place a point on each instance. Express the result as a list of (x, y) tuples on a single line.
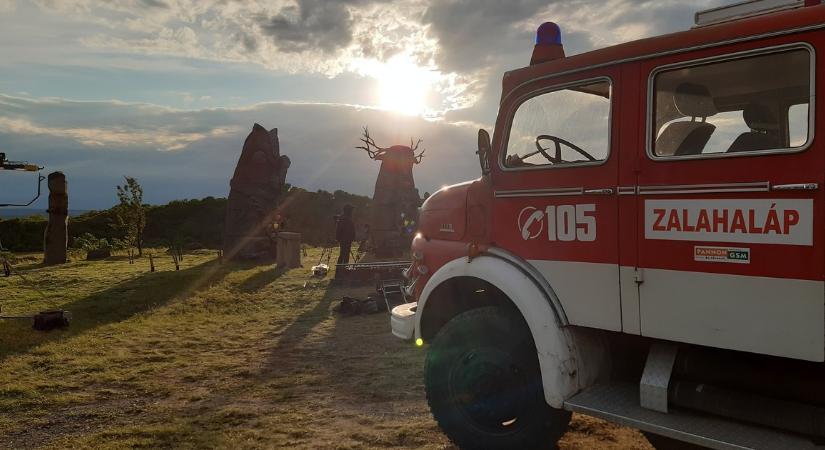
[(12, 213), (194, 223)]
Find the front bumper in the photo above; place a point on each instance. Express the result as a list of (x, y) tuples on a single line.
[(402, 320)]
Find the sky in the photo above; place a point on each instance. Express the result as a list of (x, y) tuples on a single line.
[(167, 90)]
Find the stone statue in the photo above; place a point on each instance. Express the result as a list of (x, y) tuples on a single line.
[(254, 192), (56, 237), (395, 201)]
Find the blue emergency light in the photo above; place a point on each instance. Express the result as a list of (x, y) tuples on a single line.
[(548, 34), (548, 44)]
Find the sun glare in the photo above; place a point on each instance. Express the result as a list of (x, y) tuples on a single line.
[(403, 86)]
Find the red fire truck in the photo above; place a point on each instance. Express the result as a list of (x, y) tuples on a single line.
[(642, 245)]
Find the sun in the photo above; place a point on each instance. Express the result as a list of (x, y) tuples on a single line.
[(404, 86)]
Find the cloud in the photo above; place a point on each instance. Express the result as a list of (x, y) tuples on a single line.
[(180, 153), (464, 45), (472, 34), (180, 41), (108, 125), (484, 39), (310, 24), (469, 42), (155, 3), (123, 137), (265, 33), (614, 21), (7, 6)]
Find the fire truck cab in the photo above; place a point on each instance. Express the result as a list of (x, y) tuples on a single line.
[(646, 244)]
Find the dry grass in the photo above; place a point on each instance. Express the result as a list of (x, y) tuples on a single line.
[(232, 355)]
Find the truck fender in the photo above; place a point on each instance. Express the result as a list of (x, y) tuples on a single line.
[(561, 350)]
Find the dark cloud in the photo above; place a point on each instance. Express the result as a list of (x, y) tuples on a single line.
[(381, 51), (154, 4), (312, 25), (248, 41), (471, 34)]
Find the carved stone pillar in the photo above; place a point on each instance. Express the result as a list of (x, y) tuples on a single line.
[(56, 237)]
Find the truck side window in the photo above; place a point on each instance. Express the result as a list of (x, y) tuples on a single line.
[(798, 124), (749, 104), (564, 127)]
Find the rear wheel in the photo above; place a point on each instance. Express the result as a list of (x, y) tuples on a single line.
[(484, 383)]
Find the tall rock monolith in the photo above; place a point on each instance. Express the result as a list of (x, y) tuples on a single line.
[(254, 192), (56, 237)]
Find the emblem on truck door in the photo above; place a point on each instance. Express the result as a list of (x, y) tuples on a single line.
[(530, 222), (564, 222)]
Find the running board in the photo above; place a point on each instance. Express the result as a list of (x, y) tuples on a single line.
[(619, 403)]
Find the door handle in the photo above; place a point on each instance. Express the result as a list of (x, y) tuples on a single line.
[(796, 187), (604, 191)]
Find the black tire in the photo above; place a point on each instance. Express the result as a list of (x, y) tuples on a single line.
[(665, 443), (484, 386)]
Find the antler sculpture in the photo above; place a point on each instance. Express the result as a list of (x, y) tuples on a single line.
[(419, 156), (369, 144), (374, 151)]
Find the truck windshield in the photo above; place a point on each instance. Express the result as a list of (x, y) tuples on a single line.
[(561, 127)]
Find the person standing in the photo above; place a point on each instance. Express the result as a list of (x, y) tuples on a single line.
[(345, 234)]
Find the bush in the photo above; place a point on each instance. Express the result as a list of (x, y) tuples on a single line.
[(89, 242), (22, 234)]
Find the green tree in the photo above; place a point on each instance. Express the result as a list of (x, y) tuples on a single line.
[(130, 214)]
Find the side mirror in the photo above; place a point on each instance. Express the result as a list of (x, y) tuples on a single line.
[(484, 151)]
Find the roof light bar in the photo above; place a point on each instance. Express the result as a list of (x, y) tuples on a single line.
[(748, 8)]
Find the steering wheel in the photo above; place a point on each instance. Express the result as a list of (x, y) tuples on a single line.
[(558, 143)]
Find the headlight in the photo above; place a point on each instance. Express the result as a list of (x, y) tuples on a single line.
[(409, 290)]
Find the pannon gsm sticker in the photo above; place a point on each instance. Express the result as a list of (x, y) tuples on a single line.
[(722, 254)]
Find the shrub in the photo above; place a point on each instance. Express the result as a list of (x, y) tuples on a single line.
[(89, 242)]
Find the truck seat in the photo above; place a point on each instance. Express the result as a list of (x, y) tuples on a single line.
[(764, 132), (688, 138)]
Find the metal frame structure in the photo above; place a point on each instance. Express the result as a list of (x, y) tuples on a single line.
[(21, 166)]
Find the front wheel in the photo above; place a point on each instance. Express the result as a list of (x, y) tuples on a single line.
[(484, 386)]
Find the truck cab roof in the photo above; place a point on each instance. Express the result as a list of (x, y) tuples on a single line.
[(742, 30)]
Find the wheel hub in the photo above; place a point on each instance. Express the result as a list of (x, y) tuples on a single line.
[(490, 389)]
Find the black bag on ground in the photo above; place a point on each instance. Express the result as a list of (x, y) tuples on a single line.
[(352, 306)]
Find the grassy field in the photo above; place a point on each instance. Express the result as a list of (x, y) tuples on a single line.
[(213, 355)]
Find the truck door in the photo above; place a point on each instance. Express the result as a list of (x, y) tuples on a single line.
[(730, 198), (555, 181)]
